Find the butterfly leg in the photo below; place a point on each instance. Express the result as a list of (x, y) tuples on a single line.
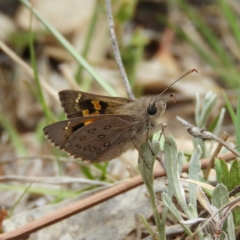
[(163, 127), (140, 154), (147, 140)]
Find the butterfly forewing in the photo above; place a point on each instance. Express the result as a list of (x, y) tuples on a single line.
[(81, 104), (94, 142)]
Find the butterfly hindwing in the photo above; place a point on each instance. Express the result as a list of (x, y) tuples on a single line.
[(66, 128), (94, 142), (81, 104), (92, 130)]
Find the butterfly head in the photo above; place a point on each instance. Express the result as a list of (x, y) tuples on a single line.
[(155, 109), (157, 106)]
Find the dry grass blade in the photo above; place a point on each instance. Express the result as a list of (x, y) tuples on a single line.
[(27, 68)]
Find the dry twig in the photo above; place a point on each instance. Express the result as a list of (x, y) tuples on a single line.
[(116, 50), (205, 135)]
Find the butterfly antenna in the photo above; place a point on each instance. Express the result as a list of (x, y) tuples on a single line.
[(184, 75)]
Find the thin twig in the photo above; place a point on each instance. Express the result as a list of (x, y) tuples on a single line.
[(116, 50), (61, 159), (43, 157), (54, 217), (67, 74), (205, 135), (51, 180), (216, 152), (137, 227)]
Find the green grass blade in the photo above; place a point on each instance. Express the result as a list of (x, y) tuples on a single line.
[(230, 109), (71, 49), (14, 136), (146, 224), (40, 190), (237, 124), (207, 33), (217, 58), (87, 172), (103, 169), (234, 175), (20, 198), (231, 18), (88, 39), (39, 94)]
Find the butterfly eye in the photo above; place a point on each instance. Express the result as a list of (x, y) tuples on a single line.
[(151, 109)]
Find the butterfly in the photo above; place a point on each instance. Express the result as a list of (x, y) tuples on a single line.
[(100, 128)]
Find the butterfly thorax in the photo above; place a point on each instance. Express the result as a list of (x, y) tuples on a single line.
[(146, 122)]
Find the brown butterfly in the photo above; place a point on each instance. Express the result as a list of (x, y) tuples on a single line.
[(101, 128)]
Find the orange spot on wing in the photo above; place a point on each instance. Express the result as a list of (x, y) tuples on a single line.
[(96, 113), (88, 122), (96, 105), (85, 113)]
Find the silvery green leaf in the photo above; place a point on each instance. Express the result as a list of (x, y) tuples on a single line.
[(218, 126), (197, 110), (171, 164), (207, 106), (167, 201), (146, 224), (146, 162), (180, 157), (219, 196), (194, 171), (193, 221), (230, 228), (193, 210)]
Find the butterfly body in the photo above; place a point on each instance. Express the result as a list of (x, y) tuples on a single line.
[(101, 128)]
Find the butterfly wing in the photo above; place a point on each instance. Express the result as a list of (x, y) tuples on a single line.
[(101, 140), (81, 104), (91, 138), (58, 133)]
